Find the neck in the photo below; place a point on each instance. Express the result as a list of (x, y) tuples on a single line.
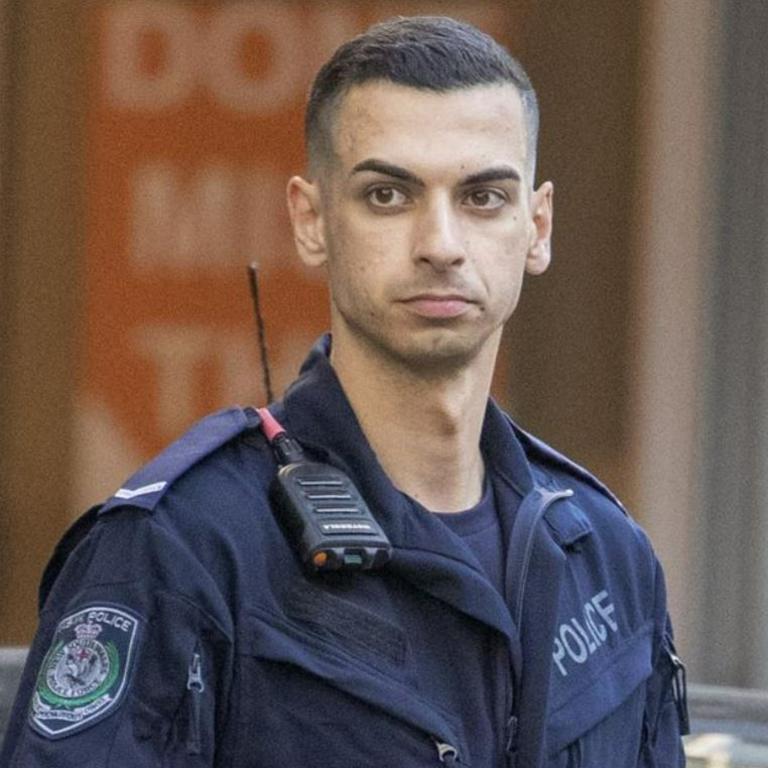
[(424, 429)]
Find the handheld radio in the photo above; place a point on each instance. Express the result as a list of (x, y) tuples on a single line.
[(320, 507)]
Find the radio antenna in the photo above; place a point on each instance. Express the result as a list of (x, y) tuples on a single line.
[(253, 280)]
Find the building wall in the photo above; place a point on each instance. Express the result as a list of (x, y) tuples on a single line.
[(40, 292), (733, 533), (678, 119)]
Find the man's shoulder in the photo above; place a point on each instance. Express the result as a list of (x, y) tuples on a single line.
[(593, 513), (604, 514), (203, 488), (201, 451), (208, 488), (559, 469)]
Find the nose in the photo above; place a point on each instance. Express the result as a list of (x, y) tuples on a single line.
[(438, 238)]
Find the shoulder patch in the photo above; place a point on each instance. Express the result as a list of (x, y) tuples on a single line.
[(85, 673)]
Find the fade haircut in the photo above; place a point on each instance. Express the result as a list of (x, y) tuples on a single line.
[(432, 53)]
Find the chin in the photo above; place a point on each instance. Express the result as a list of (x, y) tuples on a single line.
[(440, 353), (428, 350)]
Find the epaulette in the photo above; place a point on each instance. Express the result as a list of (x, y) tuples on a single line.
[(147, 487), (550, 455)]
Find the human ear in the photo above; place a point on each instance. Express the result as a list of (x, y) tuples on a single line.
[(539, 249), (304, 207)]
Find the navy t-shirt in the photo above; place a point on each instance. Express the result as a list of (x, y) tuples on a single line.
[(481, 531)]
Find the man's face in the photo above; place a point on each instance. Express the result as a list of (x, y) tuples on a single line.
[(425, 220)]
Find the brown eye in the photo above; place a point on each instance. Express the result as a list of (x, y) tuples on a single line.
[(386, 197), (485, 199)]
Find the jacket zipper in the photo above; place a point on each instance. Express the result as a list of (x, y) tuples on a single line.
[(510, 746), (680, 691), (447, 753), (575, 755), (195, 686)]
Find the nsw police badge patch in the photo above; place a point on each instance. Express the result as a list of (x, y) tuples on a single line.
[(84, 674)]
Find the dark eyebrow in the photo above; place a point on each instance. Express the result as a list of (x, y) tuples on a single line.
[(502, 173), (387, 169)]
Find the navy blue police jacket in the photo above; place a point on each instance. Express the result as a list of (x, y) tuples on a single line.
[(179, 628)]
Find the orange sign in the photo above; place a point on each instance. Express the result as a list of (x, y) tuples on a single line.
[(194, 126)]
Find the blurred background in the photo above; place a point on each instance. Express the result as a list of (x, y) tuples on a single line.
[(144, 150)]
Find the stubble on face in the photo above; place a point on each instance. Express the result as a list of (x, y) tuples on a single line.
[(378, 262)]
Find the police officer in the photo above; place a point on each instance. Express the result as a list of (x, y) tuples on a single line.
[(520, 619)]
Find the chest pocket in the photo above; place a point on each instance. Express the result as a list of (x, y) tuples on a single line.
[(327, 683), (610, 695)]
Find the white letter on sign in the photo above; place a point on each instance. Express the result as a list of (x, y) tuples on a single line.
[(128, 85), (227, 78)]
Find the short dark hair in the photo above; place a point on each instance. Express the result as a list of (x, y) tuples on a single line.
[(434, 53)]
